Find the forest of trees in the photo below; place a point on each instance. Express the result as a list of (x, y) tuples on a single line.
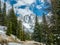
[(43, 32), (13, 25), (49, 33)]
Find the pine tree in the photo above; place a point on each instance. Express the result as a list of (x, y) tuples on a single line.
[(13, 20), (45, 28), (41, 32), (48, 35), (19, 30), (36, 36), (56, 24), (23, 35), (27, 36), (0, 7), (4, 15), (9, 28), (1, 15)]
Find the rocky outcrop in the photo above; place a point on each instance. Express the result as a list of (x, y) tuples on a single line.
[(11, 38)]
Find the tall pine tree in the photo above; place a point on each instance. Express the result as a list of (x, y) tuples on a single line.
[(13, 19), (20, 32), (19, 28), (9, 28), (0, 14), (36, 36), (47, 34), (45, 28), (4, 15), (56, 21)]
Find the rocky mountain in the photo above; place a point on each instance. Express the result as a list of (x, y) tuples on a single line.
[(27, 9)]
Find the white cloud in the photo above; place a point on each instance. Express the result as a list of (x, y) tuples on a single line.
[(19, 3), (42, 0), (24, 12), (24, 2), (28, 1), (39, 6)]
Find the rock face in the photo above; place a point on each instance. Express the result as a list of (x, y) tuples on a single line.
[(11, 38), (26, 43), (31, 43), (27, 9)]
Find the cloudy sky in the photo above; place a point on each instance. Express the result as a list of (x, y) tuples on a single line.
[(38, 7)]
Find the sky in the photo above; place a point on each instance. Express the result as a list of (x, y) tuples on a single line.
[(38, 7)]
